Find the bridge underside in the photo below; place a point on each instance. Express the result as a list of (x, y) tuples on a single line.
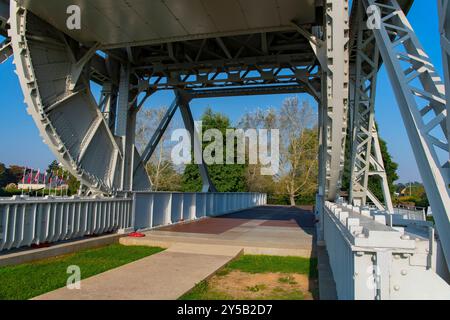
[(204, 49)]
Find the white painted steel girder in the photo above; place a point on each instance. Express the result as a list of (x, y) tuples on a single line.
[(366, 157), (371, 260), (421, 98), (186, 114), (57, 91), (335, 97)]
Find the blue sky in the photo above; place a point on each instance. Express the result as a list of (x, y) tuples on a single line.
[(21, 144)]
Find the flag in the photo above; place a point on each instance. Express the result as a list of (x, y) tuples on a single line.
[(24, 174), (30, 176), (38, 177)]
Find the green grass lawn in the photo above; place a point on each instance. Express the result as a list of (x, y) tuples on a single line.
[(256, 265), (33, 279), (263, 264)]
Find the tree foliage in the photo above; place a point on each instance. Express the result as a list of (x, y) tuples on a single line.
[(297, 125), (73, 183), (374, 183), (12, 174), (163, 175), (226, 178)]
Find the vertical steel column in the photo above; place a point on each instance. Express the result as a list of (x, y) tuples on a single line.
[(421, 99), (335, 95), (125, 128), (183, 102), (333, 108), (109, 103), (364, 161)]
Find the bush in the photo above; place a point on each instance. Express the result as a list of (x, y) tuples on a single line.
[(283, 200), (9, 193), (11, 187)]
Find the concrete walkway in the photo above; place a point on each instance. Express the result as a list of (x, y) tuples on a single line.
[(269, 230), (198, 249), (163, 276)]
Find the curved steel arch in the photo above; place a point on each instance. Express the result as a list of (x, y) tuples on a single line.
[(56, 86)]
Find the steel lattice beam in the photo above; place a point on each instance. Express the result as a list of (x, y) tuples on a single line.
[(366, 158), (421, 98), (249, 73), (247, 91)]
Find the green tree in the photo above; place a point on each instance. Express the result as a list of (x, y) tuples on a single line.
[(72, 182), (226, 178), (163, 176), (3, 175), (12, 174), (15, 174), (391, 171), (374, 184), (53, 167), (296, 181)]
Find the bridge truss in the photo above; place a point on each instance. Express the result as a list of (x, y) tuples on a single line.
[(324, 49)]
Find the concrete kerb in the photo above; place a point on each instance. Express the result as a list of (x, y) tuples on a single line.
[(31, 255)]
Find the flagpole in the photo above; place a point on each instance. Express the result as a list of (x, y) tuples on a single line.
[(45, 184), (23, 179), (62, 181), (29, 181), (67, 184)]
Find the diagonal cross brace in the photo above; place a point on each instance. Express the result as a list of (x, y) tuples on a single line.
[(159, 133), (208, 185), (5, 50)]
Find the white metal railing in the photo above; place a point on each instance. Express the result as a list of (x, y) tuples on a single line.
[(28, 221), (370, 259), (411, 213), (155, 209), (33, 221)]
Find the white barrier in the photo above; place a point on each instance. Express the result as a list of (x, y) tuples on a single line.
[(371, 260), (155, 209), (32, 221), (28, 221)]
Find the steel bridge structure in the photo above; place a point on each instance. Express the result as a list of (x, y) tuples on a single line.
[(329, 49)]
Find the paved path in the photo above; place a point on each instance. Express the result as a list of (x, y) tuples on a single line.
[(197, 250), (271, 230), (163, 276)]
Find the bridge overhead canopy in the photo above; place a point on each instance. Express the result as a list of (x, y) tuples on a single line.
[(121, 23)]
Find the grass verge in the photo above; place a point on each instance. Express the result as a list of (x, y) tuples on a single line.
[(260, 277), (264, 264), (33, 279)]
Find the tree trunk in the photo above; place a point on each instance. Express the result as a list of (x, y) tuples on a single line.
[(292, 197)]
